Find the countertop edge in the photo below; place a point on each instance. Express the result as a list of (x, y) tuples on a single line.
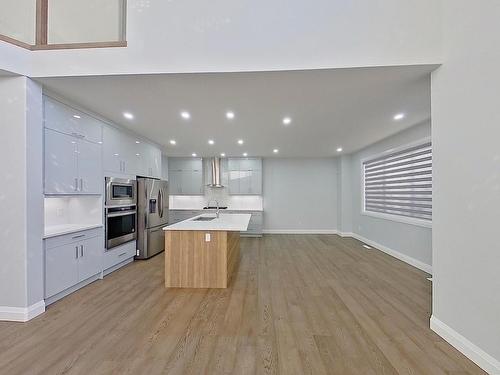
[(208, 228), (72, 230)]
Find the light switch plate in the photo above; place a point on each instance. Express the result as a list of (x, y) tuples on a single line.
[(207, 237)]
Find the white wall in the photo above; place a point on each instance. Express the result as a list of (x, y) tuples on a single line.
[(250, 35), (21, 194), (81, 209), (410, 240), (300, 195), (466, 134)]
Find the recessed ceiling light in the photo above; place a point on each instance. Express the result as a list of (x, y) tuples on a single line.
[(77, 116), (137, 154), (240, 141), (193, 155), (222, 154), (339, 149), (229, 115), (100, 142), (137, 142), (287, 121), (399, 116), (128, 115), (116, 154), (173, 142), (276, 150), (245, 154), (211, 142), (185, 115)]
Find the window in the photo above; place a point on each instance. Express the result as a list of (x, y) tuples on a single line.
[(398, 184)]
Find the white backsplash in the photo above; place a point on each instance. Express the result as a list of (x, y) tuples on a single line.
[(73, 210), (234, 202)]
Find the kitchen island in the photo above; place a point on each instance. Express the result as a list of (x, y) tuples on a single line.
[(204, 251)]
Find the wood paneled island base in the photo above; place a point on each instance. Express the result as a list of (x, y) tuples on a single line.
[(193, 262)]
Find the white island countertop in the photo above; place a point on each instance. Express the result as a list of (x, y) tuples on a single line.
[(225, 222)]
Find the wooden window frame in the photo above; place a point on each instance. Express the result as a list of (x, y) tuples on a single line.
[(41, 33)]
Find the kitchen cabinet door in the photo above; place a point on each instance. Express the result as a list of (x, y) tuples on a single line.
[(234, 182), (245, 182), (61, 174), (89, 127), (187, 182), (174, 181), (90, 257), (90, 168), (197, 187), (59, 117), (256, 182), (61, 268), (113, 160), (156, 162)]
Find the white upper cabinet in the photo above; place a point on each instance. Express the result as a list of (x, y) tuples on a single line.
[(185, 176), (72, 165), (90, 167), (61, 174), (67, 120), (125, 154), (245, 176)]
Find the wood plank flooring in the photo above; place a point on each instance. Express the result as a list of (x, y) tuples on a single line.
[(299, 304)]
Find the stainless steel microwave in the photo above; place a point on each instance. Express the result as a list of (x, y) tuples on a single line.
[(120, 192)]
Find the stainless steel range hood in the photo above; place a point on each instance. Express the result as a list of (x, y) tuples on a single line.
[(216, 173)]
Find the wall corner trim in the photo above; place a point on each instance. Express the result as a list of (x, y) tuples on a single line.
[(467, 348), (396, 254), (21, 314)]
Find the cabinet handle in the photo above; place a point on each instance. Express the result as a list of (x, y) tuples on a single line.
[(76, 252), (122, 254), (81, 250), (81, 184), (76, 184), (79, 236)]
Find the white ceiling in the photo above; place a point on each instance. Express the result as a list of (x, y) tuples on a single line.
[(348, 108)]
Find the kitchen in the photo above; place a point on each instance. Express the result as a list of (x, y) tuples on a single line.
[(106, 203)]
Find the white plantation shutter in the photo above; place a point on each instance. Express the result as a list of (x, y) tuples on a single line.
[(400, 183)]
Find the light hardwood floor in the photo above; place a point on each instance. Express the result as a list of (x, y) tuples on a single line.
[(300, 304)]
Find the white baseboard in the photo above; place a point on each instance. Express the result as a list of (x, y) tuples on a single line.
[(21, 314), (396, 254), (467, 348), (300, 231)]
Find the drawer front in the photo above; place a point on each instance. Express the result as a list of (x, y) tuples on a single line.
[(119, 254), (73, 237)]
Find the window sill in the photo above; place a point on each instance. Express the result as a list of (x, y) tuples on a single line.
[(399, 219)]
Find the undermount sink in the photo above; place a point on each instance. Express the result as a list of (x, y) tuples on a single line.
[(204, 218)]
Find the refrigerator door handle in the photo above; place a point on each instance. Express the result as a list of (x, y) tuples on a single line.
[(160, 203)]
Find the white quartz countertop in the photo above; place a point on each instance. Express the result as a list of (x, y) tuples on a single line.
[(225, 222), (59, 230)]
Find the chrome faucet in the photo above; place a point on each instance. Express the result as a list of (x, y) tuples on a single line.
[(217, 203)]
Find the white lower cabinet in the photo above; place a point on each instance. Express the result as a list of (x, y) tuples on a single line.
[(119, 254), (71, 259)]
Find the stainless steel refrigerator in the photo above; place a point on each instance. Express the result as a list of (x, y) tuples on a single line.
[(152, 216)]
